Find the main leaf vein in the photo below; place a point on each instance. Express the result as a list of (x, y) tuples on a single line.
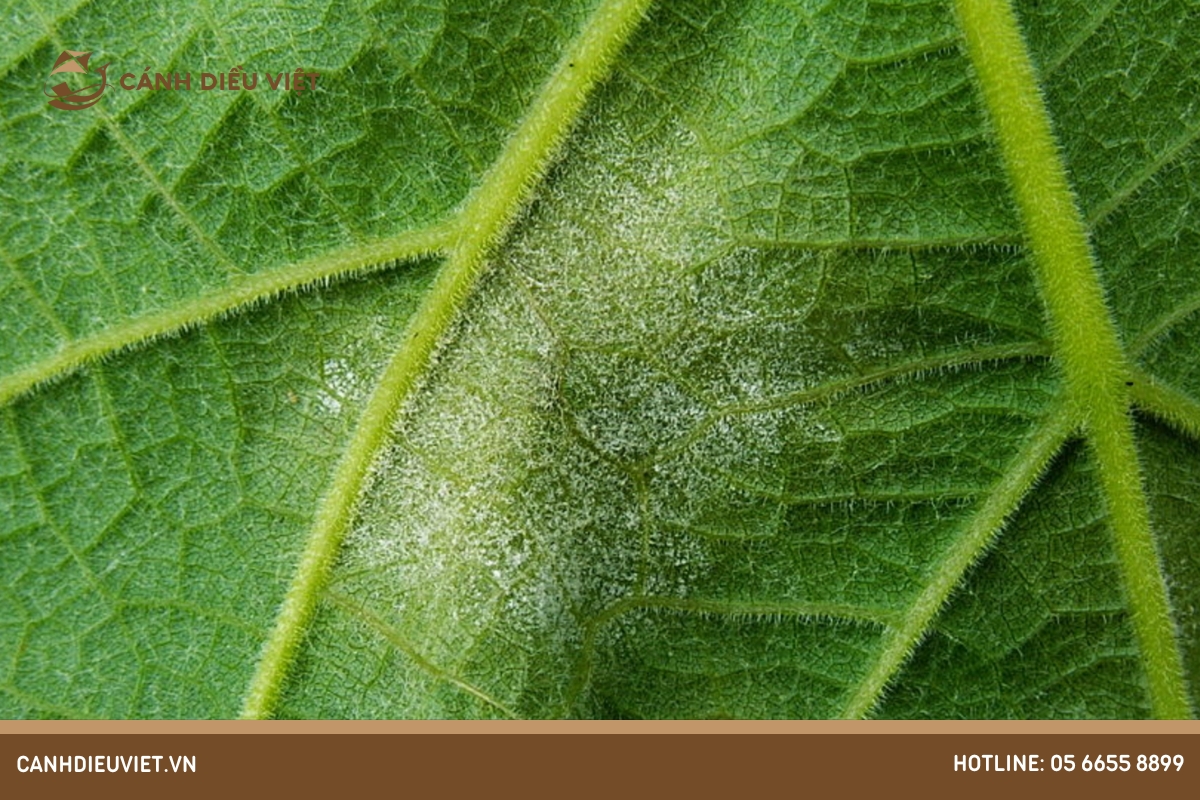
[(482, 223), (1087, 345)]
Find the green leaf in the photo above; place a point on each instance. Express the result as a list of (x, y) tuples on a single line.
[(813, 358)]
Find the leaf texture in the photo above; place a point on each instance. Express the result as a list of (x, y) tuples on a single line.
[(752, 404)]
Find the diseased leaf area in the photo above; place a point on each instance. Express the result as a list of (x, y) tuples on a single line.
[(759, 356)]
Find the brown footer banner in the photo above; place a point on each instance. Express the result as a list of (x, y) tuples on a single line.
[(441, 759)]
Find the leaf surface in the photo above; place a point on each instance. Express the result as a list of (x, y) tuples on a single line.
[(751, 403)]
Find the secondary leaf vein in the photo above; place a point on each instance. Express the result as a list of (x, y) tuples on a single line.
[(981, 530), (240, 293)]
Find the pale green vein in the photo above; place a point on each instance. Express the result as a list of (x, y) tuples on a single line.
[(742, 609), (1099, 14), (1157, 330), (50, 32), (148, 173), (167, 196), (1087, 345), (482, 222), (830, 390), (241, 292), (48, 518), (1166, 403), (981, 530), (1144, 176), (393, 637), (35, 297), (735, 609), (913, 245), (50, 710), (281, 131), (917, 368)]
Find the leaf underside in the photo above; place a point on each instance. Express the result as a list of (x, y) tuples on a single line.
[(755, 411)]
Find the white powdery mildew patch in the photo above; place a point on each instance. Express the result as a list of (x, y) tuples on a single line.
[(749, 285), (626, 221), (345, 378), (733, 482), (489, 520), (865, 346), (590, 523), (758, 446), (625, 405), (341, 385), (447, 544), (463, 441), (677, 560), (658, 202), (749, 338)]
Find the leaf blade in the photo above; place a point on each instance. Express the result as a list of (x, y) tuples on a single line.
[(761, 347)]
